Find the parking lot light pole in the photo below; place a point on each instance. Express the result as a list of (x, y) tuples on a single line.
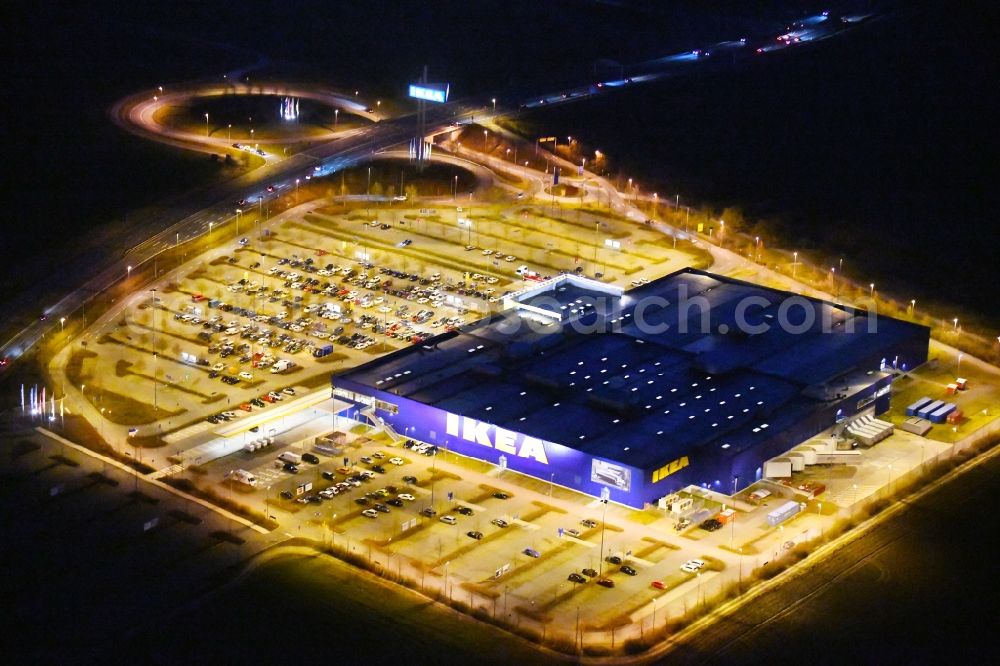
[(600, 561)]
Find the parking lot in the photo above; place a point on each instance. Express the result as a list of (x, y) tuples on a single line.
[(433, 517), (319, 288)]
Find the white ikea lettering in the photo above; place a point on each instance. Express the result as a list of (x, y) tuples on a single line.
[(532, 448), (451, 426), (506, 441), (503, 440), (476, 431)]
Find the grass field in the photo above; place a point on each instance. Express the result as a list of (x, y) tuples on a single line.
[(297, 597)]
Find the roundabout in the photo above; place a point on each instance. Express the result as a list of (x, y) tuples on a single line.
[(167, 116)]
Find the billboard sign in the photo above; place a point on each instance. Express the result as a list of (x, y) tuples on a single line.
[(610, 474), (430, 92)]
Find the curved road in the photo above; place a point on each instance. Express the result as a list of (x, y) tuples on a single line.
[(136, 114), (191, 215)]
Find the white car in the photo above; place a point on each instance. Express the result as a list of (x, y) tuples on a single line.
[(692, 566), (396, 461), (448, 519), (487, 252), (246, 376), (406, 496), (370, 513), (219, 367)]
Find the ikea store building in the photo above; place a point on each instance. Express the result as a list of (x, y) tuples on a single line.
[(693, 379)]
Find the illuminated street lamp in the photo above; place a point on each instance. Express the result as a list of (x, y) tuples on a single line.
[(62, 324), (229, 135), (494, 100), (955, 320), (959, 370), (871, 290), (484, 140), (336, 116), (795, 262), (206, 124), (128, 272)]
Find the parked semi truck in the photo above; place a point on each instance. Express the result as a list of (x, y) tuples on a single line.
[(783, 513), (325, 350)]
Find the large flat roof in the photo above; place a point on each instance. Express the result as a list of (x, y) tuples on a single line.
[(690, 360)]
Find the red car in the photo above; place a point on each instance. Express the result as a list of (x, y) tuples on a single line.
[(659, 585), (246, 407), (267, 398)]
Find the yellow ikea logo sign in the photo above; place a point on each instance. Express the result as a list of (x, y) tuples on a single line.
[(670, 468)]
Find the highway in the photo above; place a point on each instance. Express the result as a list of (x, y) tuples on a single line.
[(191, 215)]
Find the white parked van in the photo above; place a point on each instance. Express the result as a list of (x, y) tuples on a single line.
[(244, 477), (290, 457)]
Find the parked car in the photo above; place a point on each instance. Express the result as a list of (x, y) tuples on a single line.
[(474, 535), (627, 570), (589, 572), (531, 552), (711, 525), (499, 522), (606, 582), (447, 519), (577, 578)]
